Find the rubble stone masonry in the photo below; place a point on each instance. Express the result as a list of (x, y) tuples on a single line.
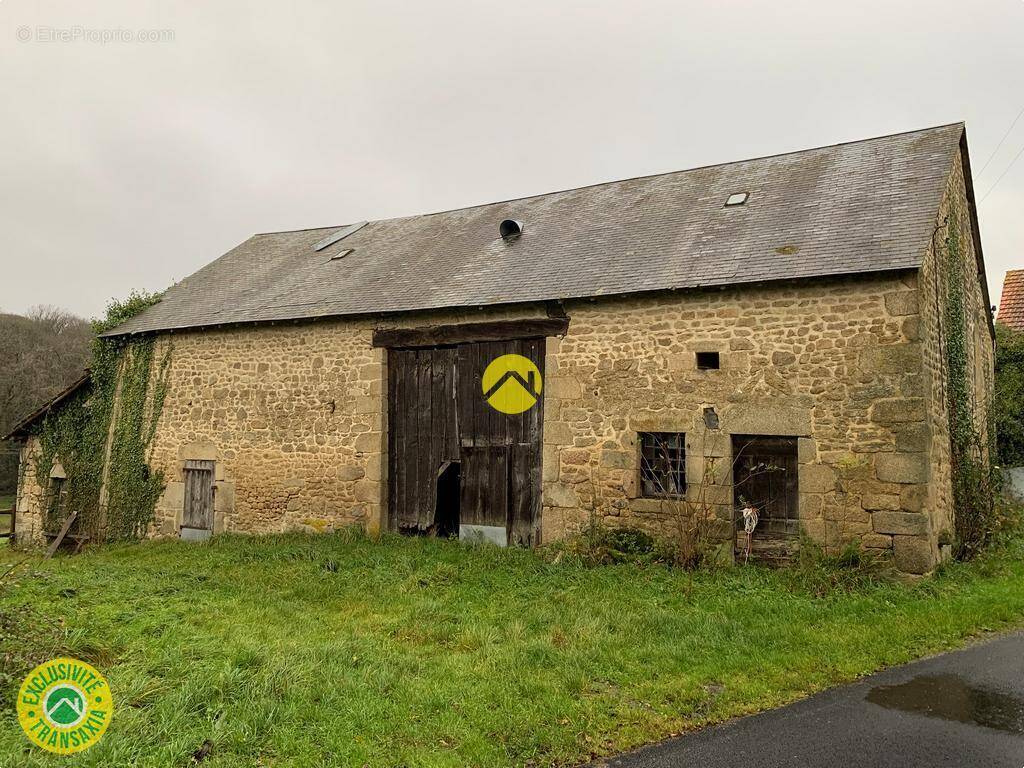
[(837, 365), (294, 415)]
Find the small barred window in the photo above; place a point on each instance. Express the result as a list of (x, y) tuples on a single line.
[(662, 464)]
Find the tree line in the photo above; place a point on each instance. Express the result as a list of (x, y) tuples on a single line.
[(41, 353)]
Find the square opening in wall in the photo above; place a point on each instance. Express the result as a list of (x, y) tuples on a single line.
[(662, 464), (708, 361)]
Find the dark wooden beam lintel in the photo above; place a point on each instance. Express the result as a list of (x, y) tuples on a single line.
[(441, 335)]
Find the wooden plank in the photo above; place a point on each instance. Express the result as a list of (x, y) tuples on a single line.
[(400, 434), (466, 386), (407, 440), (408, 512), (411, 404), (391, 431), (60, 536), (426, 475), (469, 486), (518, 436), (535, 457), (463, 333), (484, 496)]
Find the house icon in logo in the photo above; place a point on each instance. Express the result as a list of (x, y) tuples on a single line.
[(512, 384)]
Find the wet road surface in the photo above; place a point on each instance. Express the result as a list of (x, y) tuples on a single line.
[(961, 709)]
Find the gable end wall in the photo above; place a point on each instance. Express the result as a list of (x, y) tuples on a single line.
[(938, 503)]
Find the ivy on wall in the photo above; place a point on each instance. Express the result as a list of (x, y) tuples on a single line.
[(973, 476), (103, 435)]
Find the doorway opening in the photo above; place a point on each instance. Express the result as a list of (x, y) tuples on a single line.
[(446, 511), (765, 481)]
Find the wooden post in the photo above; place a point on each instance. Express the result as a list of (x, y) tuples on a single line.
[(60, 536)]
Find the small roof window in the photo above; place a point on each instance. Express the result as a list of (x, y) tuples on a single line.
[(736, 198)]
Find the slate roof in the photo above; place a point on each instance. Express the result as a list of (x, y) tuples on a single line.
[(1011, 305), (849, 208)]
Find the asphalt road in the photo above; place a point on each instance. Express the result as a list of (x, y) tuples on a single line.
[(960, 709)]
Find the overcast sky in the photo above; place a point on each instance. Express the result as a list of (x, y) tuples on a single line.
[(131, 163)]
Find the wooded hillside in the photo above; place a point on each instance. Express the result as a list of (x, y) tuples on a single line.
[(41, 353)]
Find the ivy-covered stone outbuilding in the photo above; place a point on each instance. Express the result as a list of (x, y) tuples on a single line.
[(806, 335)]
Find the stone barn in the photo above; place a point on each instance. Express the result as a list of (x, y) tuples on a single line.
[(763, 335)]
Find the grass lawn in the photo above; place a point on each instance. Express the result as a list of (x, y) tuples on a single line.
[(341, 650)]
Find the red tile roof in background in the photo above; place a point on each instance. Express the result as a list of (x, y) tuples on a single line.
[(1011, 306)]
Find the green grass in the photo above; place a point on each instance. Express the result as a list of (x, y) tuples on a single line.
[(341, 650)]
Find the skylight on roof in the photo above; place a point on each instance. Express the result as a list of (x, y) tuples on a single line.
[(736, 198), (334, 237)]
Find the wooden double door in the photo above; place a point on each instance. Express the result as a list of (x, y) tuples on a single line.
[(454, 459)]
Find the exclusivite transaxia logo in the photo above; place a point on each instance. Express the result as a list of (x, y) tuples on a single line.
[(64, 705)]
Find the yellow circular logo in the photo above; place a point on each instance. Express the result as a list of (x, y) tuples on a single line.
[(64, 706), (512, 384)]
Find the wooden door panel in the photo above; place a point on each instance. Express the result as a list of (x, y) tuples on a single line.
[(198, 512), (518, 435), (484, 490), (437, 414), (422, 432)]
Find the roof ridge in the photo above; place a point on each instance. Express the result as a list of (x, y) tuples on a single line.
[(300, 229)]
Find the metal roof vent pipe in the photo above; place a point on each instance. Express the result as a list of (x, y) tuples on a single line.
[(510, 229)]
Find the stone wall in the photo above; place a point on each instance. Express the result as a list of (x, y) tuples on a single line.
[(30, 503), (937, 503), (292, 417), (836, 363)]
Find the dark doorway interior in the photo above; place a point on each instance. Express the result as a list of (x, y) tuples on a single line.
[(765, 478), (446, 512)]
